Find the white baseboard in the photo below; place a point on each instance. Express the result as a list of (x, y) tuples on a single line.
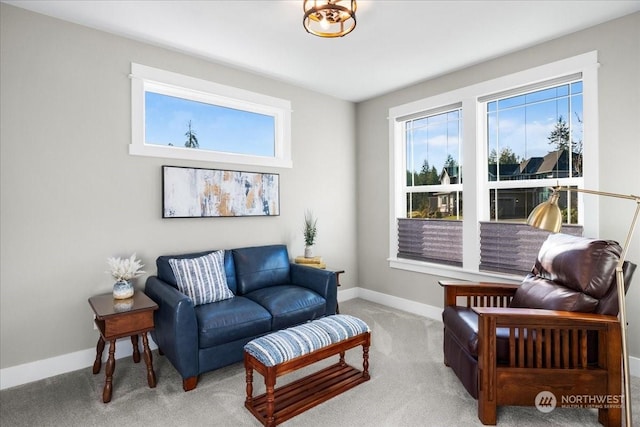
[(45, 368), (41, 369), (409, 306)]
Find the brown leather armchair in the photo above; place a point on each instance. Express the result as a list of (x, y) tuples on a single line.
[(557, 331)]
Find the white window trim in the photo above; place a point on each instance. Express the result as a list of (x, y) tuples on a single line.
[(473, 129), (174, 84)]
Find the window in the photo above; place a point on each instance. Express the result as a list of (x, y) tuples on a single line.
[(517, 136), (431, 229), (181, 117), (533, 133)]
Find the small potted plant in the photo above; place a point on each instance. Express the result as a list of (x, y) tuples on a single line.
[(310, 231), (123, 270)]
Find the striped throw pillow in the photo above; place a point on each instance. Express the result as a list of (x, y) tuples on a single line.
[(202, 279)]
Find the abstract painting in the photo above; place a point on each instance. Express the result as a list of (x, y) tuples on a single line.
[(199, 193)]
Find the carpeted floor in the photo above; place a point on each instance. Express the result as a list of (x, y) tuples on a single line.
[(409, 386)]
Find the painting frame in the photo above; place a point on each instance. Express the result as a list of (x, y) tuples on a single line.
[(190, 192)]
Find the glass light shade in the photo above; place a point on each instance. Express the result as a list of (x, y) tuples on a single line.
[(329, 18)]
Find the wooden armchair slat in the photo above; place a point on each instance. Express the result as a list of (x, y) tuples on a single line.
[(482, 294), (546, 347)]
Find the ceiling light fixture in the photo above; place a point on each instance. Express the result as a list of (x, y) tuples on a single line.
[(329, 18)]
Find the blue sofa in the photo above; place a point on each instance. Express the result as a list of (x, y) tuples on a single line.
[(270, 293)]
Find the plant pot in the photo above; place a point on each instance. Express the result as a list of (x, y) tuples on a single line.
[(308, 251), (122, 290)]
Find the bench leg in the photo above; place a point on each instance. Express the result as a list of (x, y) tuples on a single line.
[(365, 361), (270, 385), (249, 378), (342, 362)]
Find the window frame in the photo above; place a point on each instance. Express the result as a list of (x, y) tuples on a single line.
[(148, 79), (437, 251), (474, 149)]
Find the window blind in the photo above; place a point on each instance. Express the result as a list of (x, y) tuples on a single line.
[(430, 240), (513, 247)]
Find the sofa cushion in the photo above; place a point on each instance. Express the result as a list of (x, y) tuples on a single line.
[(230, 320), (582, 264), (261, 266), (289, 305), (536, 292), (462, 325), (202, 279), (165, 272)]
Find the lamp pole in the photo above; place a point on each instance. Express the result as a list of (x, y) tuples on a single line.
[(622, 310)]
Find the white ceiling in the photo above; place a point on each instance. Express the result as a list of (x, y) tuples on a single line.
[(395, 44)]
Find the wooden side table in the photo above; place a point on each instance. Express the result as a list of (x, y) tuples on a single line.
[(338, 272), (122, 318)]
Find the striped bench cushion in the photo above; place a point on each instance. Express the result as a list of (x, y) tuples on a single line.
[(284, 345)]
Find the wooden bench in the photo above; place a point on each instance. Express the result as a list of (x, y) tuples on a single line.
[(285, 351)]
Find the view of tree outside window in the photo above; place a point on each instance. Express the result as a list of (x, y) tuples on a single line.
[(532, 136), (508, 141), (432, 228), (434, 166), (180, 122)]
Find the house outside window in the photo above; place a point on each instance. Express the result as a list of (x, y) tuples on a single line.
[(519, 136), (532, 135)]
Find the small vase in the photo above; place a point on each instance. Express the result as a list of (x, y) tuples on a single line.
[(122, 289), (308, 251)]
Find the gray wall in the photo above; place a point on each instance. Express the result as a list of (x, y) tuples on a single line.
[(72, 196), (618, 45)]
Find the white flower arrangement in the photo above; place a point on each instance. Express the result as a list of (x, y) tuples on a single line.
[(125, 269)]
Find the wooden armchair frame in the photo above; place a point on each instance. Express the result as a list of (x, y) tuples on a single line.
[(548, 351)]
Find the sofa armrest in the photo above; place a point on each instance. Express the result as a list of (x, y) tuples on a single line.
[(323, 282), (482, 294), (540, 317), (176, 328)]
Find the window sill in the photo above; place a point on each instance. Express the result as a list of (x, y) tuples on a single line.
[(450, 271), (179, 153)]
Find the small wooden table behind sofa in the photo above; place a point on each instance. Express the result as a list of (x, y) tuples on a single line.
[(277, 354), (122, 318)]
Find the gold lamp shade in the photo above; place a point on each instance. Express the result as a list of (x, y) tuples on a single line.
[(547, 215), (329, 18)]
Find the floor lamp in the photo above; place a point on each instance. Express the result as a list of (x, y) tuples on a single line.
[(547, 216)]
